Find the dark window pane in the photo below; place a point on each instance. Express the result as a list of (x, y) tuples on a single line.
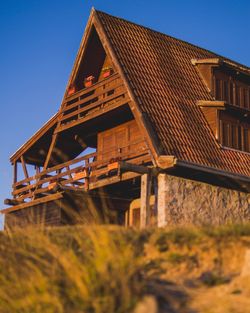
[(225, 90), (246, 139), (218, 89), (237, 95), (231, 100), (234, 143)]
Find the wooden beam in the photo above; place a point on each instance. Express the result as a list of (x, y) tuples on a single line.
[(211, 104), (12, 202), (52, 145), (24, 167), (53, 197), (129, 167), (145, 200), (14, 172), (161, 199), (215, 61), (119, 103), (112, 180), (166, 161)]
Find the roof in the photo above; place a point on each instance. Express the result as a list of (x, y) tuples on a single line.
[(44, 131), (167, 86)]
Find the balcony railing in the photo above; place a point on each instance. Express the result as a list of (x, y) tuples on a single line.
[(102, 96), (81, 172)]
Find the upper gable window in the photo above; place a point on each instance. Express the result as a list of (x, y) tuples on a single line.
[(234, 133), (231, 90)]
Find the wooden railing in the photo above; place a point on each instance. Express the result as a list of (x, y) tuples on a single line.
[(103, 95), (80, 172)]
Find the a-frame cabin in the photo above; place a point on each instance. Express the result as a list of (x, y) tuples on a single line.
[(137, 115)]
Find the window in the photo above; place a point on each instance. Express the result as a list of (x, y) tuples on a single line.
[(218, 89), (231, 96), (246, 139), (245, 98), (225, 133), (249, 98), (232, 91), (237, 95), (225, 90), (234, 134)]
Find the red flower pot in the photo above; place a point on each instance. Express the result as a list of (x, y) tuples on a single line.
[(106, 74), (88, 83), (71, 90)]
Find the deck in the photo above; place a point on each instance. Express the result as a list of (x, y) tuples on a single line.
[(82, 173)]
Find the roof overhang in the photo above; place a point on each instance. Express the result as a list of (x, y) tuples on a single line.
[(220, 61), (172, 164), (51, 123), (211, 104)]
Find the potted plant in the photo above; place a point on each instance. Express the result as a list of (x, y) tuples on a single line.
[(71, 90), (107, 71), (88, 81)]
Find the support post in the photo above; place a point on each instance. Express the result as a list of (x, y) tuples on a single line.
[(14, 172), (52, 145), (161, 200), (24, 168), (145, 200), (14, 176)]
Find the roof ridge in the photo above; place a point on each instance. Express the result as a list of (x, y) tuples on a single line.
[(177, 39)]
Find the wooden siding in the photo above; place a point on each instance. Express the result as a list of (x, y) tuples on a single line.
[(211, 115), (90, 102), (232, 89), (205, 71), (234, 132), (75, 207), (48, 214), (123, 139)]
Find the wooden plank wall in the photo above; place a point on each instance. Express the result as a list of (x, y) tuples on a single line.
[(75, 208)]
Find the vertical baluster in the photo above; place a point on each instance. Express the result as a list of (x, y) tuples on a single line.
[(86, 185), (14, 176)]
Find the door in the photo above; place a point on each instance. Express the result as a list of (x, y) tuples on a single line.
[(119, 142)]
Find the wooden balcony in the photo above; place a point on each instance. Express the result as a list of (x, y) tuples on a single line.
[(86, 172), (90, 102)]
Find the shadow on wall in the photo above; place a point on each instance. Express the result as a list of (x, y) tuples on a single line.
[(74, 207)]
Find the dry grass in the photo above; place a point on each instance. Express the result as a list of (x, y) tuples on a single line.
[(99, 269), (68, 270)]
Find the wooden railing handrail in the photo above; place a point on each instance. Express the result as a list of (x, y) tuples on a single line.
[(89, 98), (60, 176), (34, 183), (89, 89), (90, 106), (54, 168), (71, 162)]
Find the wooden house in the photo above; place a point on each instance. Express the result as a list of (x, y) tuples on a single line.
[(152, 130)]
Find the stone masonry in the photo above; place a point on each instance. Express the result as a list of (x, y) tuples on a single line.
[(183, 201)]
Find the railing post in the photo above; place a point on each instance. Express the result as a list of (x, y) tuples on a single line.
[(86, 185), (161, 199), (14, 176), (145, 200), (14, 172)]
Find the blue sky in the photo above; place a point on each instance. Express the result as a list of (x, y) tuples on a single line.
[(39, 42)]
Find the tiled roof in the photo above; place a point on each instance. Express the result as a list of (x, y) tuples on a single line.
[(167, 87)]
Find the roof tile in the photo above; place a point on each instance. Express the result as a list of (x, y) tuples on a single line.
[(168, 86)]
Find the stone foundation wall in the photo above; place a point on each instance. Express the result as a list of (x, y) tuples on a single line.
[(182, 201)]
